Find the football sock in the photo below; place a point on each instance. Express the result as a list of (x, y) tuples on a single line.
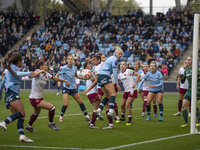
[(82, 106), (110, 120), (148, 109), (130, 118), (63, 109), (116, 109), (111, 102), (103, 103), (190, 107), (32, 119), (51, 114), (155, 108), (13, 117), (58, 89), (185, 115), (161, 109), (94, 117), (197, 113), (144, 105), (122, 116), (180, 105), (20, 126)]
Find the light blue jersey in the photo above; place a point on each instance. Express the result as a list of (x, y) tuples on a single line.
[(13, 83), (110, 67), (154, 79), (2, 86), (135, 77), (68, 74)]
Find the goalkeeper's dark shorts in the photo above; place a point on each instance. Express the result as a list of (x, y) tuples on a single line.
[(187, 97)]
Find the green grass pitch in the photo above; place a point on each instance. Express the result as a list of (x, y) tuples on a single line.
[(74, 132)]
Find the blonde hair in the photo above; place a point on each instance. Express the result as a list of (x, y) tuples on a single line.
[(70, 56), (153, 62), (117, 49)]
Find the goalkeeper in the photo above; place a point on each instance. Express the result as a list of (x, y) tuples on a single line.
[(187, 98)]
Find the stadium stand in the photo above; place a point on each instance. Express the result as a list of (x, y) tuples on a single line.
[(165, 39)]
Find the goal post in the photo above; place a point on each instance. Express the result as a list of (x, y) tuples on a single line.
[(193, 129)]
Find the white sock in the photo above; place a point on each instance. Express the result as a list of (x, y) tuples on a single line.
[(110, 124), (111, 110)]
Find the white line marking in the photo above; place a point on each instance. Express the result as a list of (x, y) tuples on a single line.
[(111, 148), (44, 147), (150, 141), (42, 117)]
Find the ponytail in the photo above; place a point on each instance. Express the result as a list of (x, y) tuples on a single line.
[(13, 60), (39, 63)]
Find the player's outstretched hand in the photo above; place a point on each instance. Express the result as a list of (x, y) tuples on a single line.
[(85, 91), (67, 83)]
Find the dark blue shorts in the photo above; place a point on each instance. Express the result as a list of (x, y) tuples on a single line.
[(10, 96), (69, 91), (103, 79), (161, 91)]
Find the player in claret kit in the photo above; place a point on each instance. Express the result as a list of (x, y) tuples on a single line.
[(130, 91), (156, 88), (92, 94), (96, 61), (69, 72), (12, 99), (182, 89), (36, 96)]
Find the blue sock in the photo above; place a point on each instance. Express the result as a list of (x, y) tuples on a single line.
[(148, 109), (20, 126), (58, 89), (63, 109), (161, 109), (111, 102), (103, 103), (13, 117), (82, 106)]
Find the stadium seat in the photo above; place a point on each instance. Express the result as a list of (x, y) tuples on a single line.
[(102, 50), (160, 29), (118, 37), (100, 45), (136, 37), (80, 41), (165, 45), (65, 45), (130, 59)]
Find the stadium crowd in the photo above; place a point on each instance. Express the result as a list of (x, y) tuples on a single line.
[(13, 26), (163, 38)]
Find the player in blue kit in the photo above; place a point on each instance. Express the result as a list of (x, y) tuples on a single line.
[(12, 99), (156, 88), (69, 72), (104, 80)]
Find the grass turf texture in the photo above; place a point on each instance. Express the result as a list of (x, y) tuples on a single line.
[(75, 133)]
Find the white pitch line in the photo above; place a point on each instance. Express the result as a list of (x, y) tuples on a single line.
[(44, 147), (42, 117), (111, 148), (150, 141)]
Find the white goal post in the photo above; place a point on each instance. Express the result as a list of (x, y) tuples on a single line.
[(193, 129)]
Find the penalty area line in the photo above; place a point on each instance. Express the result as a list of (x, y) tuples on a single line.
[(43, 117), (111, 148), (150, 141), (44, 147)]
